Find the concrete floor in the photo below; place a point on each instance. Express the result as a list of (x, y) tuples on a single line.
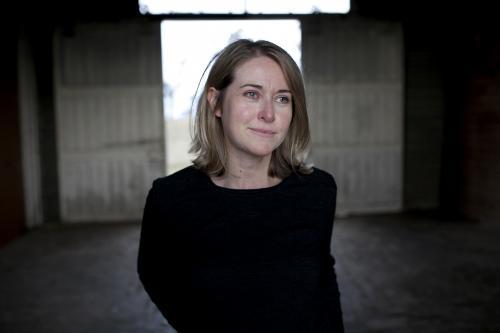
[(397, 273)]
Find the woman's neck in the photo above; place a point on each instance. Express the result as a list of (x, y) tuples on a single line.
[(246, 174)]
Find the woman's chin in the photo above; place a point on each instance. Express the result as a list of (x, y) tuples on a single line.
[(263, 151)]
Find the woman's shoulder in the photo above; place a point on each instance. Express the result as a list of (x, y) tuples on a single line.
[(180, 180), (318, 177)]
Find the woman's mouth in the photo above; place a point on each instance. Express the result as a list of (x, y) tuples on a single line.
[(263, 132)]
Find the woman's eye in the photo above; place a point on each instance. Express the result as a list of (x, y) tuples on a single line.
[(251, 94), (283, 99)]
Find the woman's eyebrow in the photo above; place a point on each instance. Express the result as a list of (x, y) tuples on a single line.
[(258, 86), (253, 85)]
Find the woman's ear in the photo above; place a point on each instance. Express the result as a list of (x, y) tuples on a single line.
[(212, 98)]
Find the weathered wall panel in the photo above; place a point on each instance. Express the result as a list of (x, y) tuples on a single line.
[(109, 120), (354, 78)]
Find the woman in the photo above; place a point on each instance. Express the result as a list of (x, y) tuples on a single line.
[(240, 240)]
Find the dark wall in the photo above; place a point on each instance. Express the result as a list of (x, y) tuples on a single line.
[(466, 46), (11, 185), (424, 118), (452, 104), (40, 37), (481, 195), (434, 115)]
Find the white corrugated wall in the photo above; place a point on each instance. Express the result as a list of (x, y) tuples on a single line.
[(354, 78), (109, 119)]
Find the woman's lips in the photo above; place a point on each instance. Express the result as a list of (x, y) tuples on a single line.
[(263, 132)]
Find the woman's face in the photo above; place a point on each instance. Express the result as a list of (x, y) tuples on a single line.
[(256, 110)]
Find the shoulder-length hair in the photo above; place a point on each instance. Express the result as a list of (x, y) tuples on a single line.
[(208, 137)]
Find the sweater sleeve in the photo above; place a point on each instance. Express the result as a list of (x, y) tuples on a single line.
[(333, 293), (157, 263)]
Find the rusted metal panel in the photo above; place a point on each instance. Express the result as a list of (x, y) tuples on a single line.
[(354, 80), (109, 120)]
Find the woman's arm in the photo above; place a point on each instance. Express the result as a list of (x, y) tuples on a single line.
[(157, 261)]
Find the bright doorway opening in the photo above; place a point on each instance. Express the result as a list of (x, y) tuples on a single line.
[(187, 48)]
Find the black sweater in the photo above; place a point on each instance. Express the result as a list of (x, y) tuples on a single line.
[(214, 259)]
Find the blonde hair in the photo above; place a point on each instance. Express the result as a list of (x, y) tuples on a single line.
[(208, 137)]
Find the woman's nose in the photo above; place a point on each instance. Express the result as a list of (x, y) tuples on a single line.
[(266, 112)]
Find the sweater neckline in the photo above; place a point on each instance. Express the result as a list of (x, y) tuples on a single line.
[(252, 191)]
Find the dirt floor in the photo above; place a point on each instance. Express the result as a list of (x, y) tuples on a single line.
[(397, 273)]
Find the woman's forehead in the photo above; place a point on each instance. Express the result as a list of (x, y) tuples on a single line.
[(260, 69)]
